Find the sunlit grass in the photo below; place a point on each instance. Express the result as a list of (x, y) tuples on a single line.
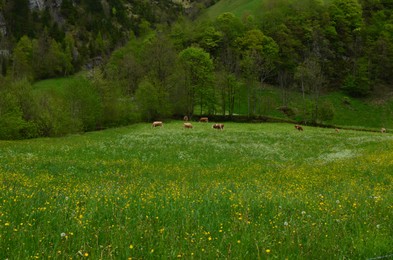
[(251, 191)]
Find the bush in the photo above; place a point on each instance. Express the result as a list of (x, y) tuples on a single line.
[(11, 117), (152, 102), (358, 85), (83, 102), (52, 115), (326, 111)]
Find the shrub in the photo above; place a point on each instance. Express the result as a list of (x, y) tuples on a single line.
[(52, 115), (83, 102), (11, 117), (326, 111)]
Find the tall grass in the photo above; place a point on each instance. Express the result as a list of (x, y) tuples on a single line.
[(252, 191)]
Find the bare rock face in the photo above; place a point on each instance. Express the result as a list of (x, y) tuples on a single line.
[(42, 4), (37, 4)]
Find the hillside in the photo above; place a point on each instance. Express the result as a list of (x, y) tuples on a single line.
[(238, 7), (351, 113), (312, 62), (91, 29)]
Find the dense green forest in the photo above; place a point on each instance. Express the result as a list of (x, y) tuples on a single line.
[(128, 61)]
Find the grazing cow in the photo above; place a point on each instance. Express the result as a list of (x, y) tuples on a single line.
[(337, 130), (185, 118), (156, 123), (383, 130), (204, 119), (298, 127), (218, 126), (188, 125)]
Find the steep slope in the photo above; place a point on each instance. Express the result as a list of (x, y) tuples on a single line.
[(237, 7), (96, 27)]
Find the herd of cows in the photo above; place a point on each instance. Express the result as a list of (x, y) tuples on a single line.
[(188, 125)]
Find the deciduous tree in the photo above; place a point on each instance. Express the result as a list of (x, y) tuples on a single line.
[(197, 79)]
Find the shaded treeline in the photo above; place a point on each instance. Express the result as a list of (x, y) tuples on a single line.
[(219, 66)]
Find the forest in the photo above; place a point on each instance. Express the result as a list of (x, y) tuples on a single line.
[(121, 62)]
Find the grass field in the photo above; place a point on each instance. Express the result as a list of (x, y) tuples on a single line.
[(252, 191)]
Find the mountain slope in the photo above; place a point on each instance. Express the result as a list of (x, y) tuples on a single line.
[(96, 27), (237, 7)]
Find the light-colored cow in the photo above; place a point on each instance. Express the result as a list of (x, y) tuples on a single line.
[(383, 130), (204, 119), (188, 125), (156, 123), (218, 126)]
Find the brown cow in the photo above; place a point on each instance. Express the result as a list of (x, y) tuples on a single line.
[(298, 127), (218, 126), (156, 123), (337, 130), (188, 125), (204, 119), (383, 130)]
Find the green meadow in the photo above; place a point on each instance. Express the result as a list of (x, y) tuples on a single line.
[(251, 191)]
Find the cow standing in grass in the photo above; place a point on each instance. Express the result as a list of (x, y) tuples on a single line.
[(204, 119), (218, 126), (383, 130), (188, 125), (299, 127), (156, 123)]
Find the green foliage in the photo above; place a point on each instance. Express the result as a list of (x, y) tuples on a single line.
[(22, 91), (221, 64), (83, 101), (79, 104), (117, 109), (49, 58), (229, 26), (16, 111), (22, 59), (240, 8), (358, 84), (11, 117), (125, 66), (260, 54), (70, 58), (52, 115), (326, 112), (198, 78), (159, 58), (152, 101), (229, 91), (210, 39)]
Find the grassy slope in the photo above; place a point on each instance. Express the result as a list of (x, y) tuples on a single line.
[(237, 7), (57, 84), (250, 191), (359, 113)]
